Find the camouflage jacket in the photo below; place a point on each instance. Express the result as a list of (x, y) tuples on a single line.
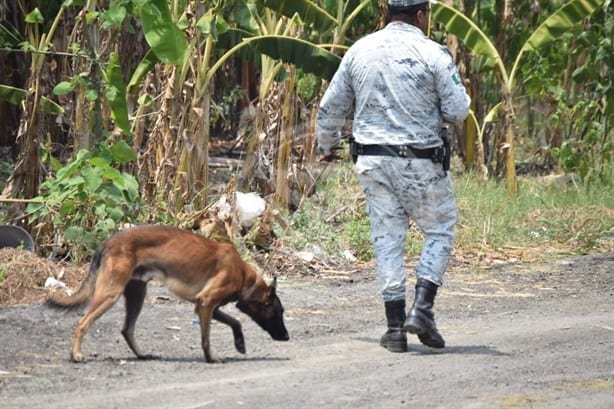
[(402, 87)]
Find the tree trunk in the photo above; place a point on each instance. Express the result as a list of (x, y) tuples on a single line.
[(507, 149), (284, 152)]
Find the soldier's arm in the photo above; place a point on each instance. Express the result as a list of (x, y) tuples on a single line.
[(454, 99), (335, 106)]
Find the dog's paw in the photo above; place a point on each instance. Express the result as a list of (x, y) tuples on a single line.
[(240, 346), (211, 359), (77, 357)]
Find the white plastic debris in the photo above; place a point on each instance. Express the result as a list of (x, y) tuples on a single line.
[(347, 254), (249, 207), (53, 283)]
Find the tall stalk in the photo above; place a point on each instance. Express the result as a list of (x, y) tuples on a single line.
[(27, 173)]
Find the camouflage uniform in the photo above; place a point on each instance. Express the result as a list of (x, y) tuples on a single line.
[(402, 87)]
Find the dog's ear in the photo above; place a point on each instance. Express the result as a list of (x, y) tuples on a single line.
[(273, 287)]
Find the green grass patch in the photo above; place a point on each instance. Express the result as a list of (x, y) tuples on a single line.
[(3, 275), (560, 216), (545, 217)]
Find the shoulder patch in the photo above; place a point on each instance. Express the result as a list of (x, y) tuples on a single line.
[(456, 78)]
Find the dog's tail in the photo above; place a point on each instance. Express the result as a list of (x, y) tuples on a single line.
[(58, 300)]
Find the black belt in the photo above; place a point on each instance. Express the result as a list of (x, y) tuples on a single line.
[(402, 151)]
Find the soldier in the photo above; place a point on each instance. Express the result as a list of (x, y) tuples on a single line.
[(402, 87)]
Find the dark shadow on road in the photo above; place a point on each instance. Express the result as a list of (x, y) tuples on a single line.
[(191, 359), (452, 349), (456, 349)]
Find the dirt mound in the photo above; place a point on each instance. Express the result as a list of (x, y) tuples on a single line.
[(23, 275)]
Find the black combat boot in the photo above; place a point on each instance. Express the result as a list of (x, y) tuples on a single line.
[(421, 320), (395, 339)]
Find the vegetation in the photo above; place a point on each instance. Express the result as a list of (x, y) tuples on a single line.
[(550, 216), (89, 199), (113, 111)]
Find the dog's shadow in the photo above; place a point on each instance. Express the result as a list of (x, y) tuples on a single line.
[(451, 349), (187, 359)]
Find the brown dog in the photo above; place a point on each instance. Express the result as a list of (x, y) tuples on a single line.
[(205, 272)]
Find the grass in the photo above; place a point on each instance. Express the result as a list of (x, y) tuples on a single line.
[(546, 218), (3, 275)]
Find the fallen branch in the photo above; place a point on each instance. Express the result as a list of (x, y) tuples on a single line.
[(11, 200)]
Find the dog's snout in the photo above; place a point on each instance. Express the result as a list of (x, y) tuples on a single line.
[(280, 333)]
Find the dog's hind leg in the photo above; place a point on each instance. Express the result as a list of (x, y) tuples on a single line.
[(102, 301), (205, 314), (134, 293), (237, 332)]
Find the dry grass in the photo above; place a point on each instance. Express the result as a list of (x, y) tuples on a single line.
[(23, 275)]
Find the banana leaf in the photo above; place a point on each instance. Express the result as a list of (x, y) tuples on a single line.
[(116, 94), (561, 22), (466, 30), (161, 32), (304, 55), (307, 10), (307, 56), (141, 71), (16, 95)]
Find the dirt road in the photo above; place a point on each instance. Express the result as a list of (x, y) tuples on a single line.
[(518, 336)]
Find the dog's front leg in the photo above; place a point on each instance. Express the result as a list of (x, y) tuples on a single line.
[(205, 314), (237, 332)]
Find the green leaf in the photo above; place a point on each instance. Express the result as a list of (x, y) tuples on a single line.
[(93, 178), (561, 22), (146, 65), (205, 23), (122, 153), (12, 95), (161, 32), (116, 214), (67, 208), (64, 88), (75, 181), (71, 167), (111, 194), (305, 55), (466, 30), (244, 14), (99, 162), (91, 95), (309, 12), (131, 187), (555, 26), (35, 207), (35, 17), (114, 17), (116, 94), (16, 95), (212, 24), (114, 176), (91, 16), (74, 233), (55, 163)]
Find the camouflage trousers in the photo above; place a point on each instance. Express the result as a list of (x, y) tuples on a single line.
[(398, 191)]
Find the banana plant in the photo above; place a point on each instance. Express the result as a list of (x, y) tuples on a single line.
[(551, 29), (27, 172), (14, 96)]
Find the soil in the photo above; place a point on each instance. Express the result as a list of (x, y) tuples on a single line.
[(518, 335)]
